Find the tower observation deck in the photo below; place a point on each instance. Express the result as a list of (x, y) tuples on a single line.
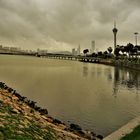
[(115, 30)]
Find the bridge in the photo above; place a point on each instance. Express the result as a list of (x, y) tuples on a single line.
[(71, 57), (56, 56)]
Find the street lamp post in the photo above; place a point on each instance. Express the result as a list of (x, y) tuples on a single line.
[(136, 35)]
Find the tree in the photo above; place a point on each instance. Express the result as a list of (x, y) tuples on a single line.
[(116, 51), (100, 53), (94, 54), (85, 51), (105, 54), (138, 47), (129, 48), (122, 49), (110, 50)]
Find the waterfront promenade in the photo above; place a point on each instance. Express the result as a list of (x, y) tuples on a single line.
[(127, 62), (132, 63)]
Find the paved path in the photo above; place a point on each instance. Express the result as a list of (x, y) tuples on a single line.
[(126, 129)]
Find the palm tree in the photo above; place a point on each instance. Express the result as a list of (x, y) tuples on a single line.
[(110, 49), (85, 51), (116, 51), (129, 48)]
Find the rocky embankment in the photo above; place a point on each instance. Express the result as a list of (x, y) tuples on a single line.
[(124, 63), (22, 119)]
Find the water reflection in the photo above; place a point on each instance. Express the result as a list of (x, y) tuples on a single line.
[(120, 78), (92, 70), (108, 72), (116, 81), (85, 70), (127, 78)]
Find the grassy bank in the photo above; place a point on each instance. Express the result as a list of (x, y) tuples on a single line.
[(22, 119), (21, 127), (134, 135)]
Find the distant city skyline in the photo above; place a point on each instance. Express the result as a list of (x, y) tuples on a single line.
[(60, 25)]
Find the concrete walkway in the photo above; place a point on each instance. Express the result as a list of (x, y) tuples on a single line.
[(126, 129)]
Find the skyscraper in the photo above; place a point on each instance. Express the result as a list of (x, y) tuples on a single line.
[(115, 30), (92, 46), (78, 50), (74, 52)]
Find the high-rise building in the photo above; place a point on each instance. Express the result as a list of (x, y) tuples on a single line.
[(78, 50), (42, 51), (115, 30), (74, 52), (92, 50)]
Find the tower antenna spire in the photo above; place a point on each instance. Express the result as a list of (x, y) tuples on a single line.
[(114, 23)]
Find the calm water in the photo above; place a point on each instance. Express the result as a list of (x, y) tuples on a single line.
[(98, 97)]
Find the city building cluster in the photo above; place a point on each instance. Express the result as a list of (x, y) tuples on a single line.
[(14, 50), (78, 50), (18, 50)]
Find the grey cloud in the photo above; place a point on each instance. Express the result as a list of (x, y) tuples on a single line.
[(56, 23)]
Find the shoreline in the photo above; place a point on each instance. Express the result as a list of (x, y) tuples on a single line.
[(27, 109), (122, 63), (124, 130), (117, 63)]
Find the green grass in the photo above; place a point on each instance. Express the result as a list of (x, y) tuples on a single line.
[(49, 135), (134, 135), (10, 126)]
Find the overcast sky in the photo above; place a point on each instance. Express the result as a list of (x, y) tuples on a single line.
[(64, 24)]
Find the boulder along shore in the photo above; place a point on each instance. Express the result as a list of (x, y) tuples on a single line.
[(22, 119)]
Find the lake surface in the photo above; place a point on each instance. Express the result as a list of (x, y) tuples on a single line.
[(97, 97)]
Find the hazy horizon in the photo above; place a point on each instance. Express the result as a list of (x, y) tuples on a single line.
[(60, 25)]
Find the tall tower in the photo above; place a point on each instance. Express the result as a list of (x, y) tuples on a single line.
[(115, 30)]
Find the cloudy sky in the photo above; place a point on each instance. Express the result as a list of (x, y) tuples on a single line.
[(64, 24)]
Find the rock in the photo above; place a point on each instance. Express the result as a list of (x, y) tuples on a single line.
[(20, 132), (32, 104), (75, 127), (81, 132), (5, 87), (1, 85), (93, 134), (66, 129), (17, 94), (43, 111), (10, 90), (32, 111), (23, 99), (56, 121), (20, 126), (14, 98), (49, 119), (15, 111), (37, 108), (28, 118), (100, 137)]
